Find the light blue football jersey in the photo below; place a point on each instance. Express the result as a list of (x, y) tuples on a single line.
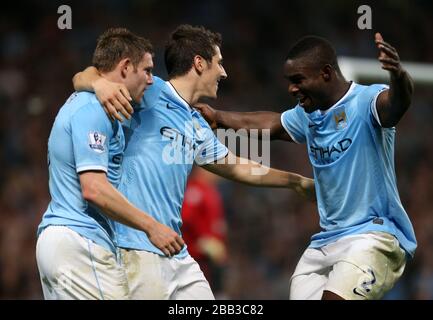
[(82, 139), (163, 139), (353, 163)]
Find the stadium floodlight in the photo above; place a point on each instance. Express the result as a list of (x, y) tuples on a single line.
[(370, 69)]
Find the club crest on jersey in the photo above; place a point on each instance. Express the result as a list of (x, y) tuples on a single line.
[(198, 130), (340, 119), (97, 141)]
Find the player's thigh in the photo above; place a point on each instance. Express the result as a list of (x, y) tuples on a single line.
[(146, 280), (72, 267), (190, 281), (310, 276), (369, 267), (307, 287)]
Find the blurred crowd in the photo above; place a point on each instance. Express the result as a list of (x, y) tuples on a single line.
[(267, 229)]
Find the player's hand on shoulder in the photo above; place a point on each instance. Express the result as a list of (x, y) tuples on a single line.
[(114, 97), (388, 56), (208, 113), (165, 239)]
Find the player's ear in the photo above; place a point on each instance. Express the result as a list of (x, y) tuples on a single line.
[(199, 64), (125, 66), (326, 72)]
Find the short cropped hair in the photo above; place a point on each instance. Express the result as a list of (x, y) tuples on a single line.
[(317, 50), (185, 43), (116, 44)]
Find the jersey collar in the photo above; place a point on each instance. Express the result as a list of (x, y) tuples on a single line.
[(352, 86), (178, 96)]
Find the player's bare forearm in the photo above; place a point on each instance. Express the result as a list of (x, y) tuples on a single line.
[(254, 174), (260, 120), (284, 179), (97, 190), (400, 95), (249, 120), (393, 103), (258, 175), (103, 195), (85, 80), (114, 97)]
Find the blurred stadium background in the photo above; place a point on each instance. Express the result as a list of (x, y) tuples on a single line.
[(267, 229)]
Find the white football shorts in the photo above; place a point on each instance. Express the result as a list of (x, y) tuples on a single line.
[(73, 267), (355, 267), (151, 276)]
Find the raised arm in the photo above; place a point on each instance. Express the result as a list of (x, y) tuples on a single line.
[(245, 120), (113, 96), (97, 190), (393, 103), (252, 173)]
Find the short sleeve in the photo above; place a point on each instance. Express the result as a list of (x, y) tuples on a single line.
[(374, 91), (91, 131), (209, 149), (292, 122)]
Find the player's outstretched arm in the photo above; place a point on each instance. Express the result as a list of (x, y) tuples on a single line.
[(244, 120), (97, 190), (393, 103), (254, 174), (113, 96)]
